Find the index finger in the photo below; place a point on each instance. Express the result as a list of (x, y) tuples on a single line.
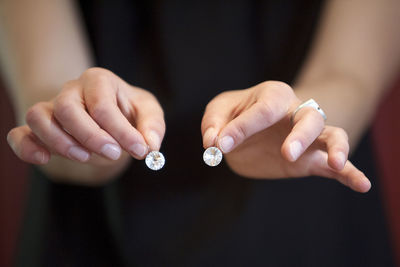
[(102, 104), (248, 112)]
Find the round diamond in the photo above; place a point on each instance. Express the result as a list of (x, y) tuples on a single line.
[(212, 156), (155, 160)]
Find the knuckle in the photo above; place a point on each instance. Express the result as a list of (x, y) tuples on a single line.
[(151, 101), (33, 115), (58, 143), (101, 80), (278, 89), (63, 108), (282, 86), (99, 111), (95, 73), (221, 100), (337, 133), (224, 94), (239, 133), (144, 94), (341, 132), (89, 139), (266, 112), (223, 97), (148, 98), (276, 85), (69, 85), (126, 137), (97, 77)]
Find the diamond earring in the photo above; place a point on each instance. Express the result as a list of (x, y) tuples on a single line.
[(212, 156), (155, 160)]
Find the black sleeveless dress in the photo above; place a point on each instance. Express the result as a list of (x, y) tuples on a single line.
[(188, 214)]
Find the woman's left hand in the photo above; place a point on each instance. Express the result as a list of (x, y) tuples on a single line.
[(254, 130)]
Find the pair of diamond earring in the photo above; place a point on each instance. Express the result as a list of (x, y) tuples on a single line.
[(155, 160)]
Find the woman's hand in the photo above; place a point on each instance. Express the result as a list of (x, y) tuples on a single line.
[(254, 130), (93, 119)]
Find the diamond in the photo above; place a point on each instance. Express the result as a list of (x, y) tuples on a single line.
[(155, 160), (212, 156)]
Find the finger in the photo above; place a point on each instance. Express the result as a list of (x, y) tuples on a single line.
[(39, 118), (259, 117), (337, 143), (72, 116), (271, 104), (307, 127), (349, 176), (352, 177), (217, 114), (210, 137), (149, 117), (26, 146), (102, 104)]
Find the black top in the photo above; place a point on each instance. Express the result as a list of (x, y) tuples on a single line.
[(188, 214)]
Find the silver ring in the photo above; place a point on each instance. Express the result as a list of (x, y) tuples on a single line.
[(309, 103)]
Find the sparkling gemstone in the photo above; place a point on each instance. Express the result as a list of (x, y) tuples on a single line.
[(155, 160), (212, 156)]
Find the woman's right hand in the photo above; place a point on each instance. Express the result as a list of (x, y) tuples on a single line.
[(92, 120)]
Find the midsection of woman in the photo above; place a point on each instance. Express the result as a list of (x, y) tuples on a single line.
[(188, 213), (193, 215)]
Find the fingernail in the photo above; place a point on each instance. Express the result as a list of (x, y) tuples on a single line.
[(342, 158), (154, 139), (39, 157), (138, 149), (78, 153), (226, 144), (295, 149), (210, 135), (111, 151)]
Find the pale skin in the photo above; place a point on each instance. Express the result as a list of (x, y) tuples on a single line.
[(84, 125)]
